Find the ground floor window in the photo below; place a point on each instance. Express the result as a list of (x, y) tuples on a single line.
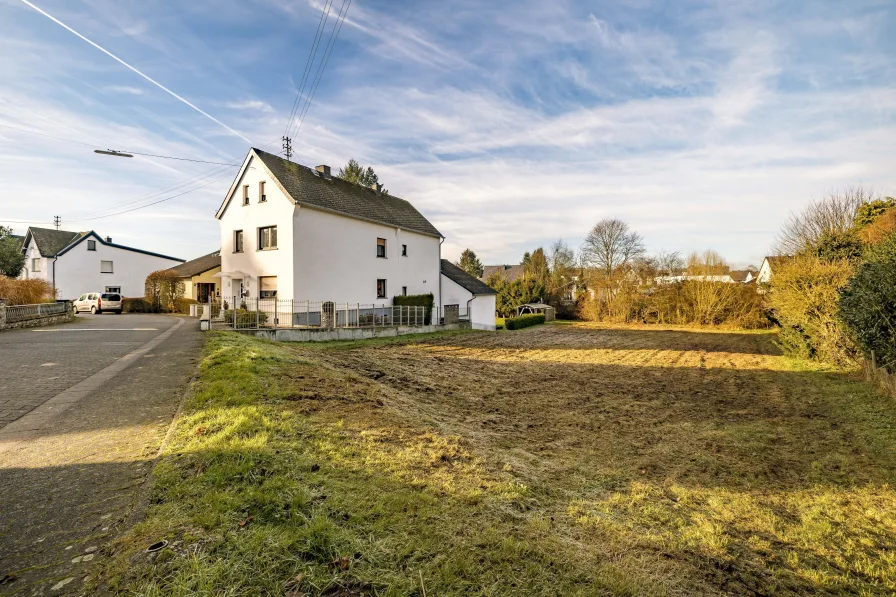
[(267, 287), (35, 264), (115, 289), (380, 288)]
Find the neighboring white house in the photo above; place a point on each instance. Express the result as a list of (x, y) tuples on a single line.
[(769, 264), (79, 262), (292, 232), (469, 294)]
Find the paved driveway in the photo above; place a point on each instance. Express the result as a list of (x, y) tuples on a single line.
[(83, 410)]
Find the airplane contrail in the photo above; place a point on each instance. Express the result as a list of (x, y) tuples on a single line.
[(147, 77)]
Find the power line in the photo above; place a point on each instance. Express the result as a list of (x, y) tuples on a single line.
[(6, 126), (334, 36), (321, 25)]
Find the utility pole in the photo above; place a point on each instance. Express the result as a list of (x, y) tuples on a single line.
[(287, 147), (57, 220)]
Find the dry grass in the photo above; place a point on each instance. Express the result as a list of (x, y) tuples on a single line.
[(560, 459), (25, 292)]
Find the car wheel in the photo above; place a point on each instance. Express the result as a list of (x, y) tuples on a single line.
[(93, 310), (118, 312)]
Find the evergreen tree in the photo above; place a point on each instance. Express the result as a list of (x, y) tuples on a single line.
[(470, 263), (11, 258), (355, 173)]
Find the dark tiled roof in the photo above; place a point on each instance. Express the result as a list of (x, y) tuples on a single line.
[(309, 187), (465, 280), (194, 267), (739, 275), (508, 272), (50, 241)]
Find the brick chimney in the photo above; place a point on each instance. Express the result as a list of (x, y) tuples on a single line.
[(108, 239), (377, 187), (325, 170)]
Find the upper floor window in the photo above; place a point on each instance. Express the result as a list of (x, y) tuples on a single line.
[(245, 194), (404, 291), (404, 250), (237, 241), (35, 264), (106, 267), (261, 196), (381, 247), (267, 237), (91, 245)]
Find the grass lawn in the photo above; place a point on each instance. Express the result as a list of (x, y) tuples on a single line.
[(554, 460)]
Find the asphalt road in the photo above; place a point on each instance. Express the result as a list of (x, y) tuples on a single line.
[(84, 407)]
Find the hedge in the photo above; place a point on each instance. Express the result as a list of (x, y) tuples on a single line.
[(417, 300), (245, 318), (523, 321), (868, 304), (136, 305)]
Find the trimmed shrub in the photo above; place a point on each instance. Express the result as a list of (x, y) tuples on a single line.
[(523, 321), (804, 296), (25, 292), (163, 288), (136, 305), (245, 318), (868, 304), (182, 305), (417, 300)]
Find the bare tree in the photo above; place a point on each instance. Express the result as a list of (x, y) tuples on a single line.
[(562, 264), (834, 214), (708, 263), (669, 263), (610, 245)]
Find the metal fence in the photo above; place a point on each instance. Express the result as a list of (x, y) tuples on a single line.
[(19, 313), (257, 313)]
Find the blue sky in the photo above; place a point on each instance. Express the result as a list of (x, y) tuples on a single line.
[(508, 124)]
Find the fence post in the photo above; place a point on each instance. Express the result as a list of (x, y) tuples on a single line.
[(2, 313)]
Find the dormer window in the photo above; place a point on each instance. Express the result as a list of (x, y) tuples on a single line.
[(245, 194), (261, 196), (91, 245)]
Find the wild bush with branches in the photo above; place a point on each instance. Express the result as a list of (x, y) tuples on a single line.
[(804, 296), (26, 292)]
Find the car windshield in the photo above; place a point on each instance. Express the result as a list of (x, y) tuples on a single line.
[(83, 297)]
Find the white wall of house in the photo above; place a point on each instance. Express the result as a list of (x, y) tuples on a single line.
[(79, 270), (278, 211), (482, 309), (765, 272), (32, 259), (336, 259)]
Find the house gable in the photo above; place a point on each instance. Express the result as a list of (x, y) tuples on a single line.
[(93, 235)]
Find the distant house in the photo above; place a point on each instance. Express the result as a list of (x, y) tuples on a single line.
[(769, 265), (200, 277), (469, 294), (78, 262), (742, 276), (508, 272)]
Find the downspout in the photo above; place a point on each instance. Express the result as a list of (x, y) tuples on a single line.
[(440, 279), (470, 313), (55, 290)]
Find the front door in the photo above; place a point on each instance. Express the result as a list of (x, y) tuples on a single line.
[(205, 291)]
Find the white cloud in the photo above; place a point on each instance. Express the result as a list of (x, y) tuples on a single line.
[(250, 105), (124, 89)]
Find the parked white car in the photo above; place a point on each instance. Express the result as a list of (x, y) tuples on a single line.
[(97, 302)]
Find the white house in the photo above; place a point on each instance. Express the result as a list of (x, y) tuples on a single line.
[(470, 294), (292, 232), (769, 264), (79, 262)]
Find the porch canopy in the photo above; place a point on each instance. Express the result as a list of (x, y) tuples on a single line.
[(547, 310)]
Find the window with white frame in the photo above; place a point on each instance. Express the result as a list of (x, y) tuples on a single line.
[(267, 287), (404, 291), (245, 194), (267, 238), (381, 247), (237, 241), (380, 288), (35, 264), (106, 267), (261, 196), (115, 289), (91, 245), (404, 250)]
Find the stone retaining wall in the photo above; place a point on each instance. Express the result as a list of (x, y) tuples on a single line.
[(66, 316)]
